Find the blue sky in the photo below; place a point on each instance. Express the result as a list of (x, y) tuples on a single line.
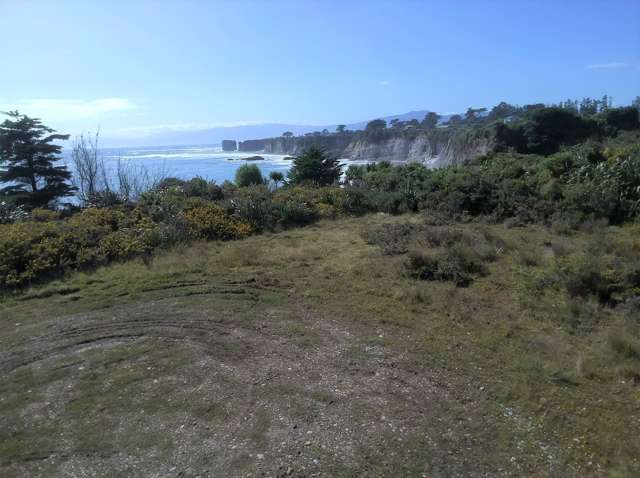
[(132, 66)]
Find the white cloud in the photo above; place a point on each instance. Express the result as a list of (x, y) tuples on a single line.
[(142, 131), (64, 110), (608, 66), (384, 83)]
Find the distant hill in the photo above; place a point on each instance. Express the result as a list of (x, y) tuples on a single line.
[(242, 133)]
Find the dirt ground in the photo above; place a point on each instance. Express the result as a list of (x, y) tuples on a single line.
[(210, 363)]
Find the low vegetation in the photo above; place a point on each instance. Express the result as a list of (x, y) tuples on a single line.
[(502, 295)]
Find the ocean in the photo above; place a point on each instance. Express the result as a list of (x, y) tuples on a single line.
[(186, 162)]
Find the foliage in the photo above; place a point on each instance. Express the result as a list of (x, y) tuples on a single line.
[(391, 238), (277, 177), (622, 118), (27, 147), (211, 222), (248, 175), (315, 166), (31, 250), (458, 264), (11, 212), (253, 205), (544, 131)]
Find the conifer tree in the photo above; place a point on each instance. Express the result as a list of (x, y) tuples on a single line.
[(28, 159)]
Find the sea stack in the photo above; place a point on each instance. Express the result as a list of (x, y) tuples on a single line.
[(229, 145)]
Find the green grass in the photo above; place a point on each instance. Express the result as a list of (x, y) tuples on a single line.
[(566, 365)]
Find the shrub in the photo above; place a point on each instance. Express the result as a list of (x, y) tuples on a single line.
[(458, 265), (253, 205), (347, 201), (581, 316), (443, 236), (27, 251), (248, 175), (162, 204), (624, 345), (33, 250), (292, 213), (44, 215), (211, 222), (200, 187), (586, 277), (10, 212), (391, 238), (301, 205)]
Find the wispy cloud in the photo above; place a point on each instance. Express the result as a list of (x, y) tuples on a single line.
[(66, 109), (609, 66), (149, 130), (384, 83)]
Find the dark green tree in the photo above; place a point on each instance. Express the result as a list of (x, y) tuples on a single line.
[(430, 121), (28, 155), (248, 175), (375, 130), (454, 120), (622, 118), (501, 111), (341, 128), (315, 166), (471, 115)]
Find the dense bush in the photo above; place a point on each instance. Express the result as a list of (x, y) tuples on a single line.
[(623, 118), (31, 250), (210, 222), (254, 206), (544, 131), (248, 175), (583, 182)]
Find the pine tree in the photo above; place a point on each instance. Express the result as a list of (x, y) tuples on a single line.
[(28, 157)]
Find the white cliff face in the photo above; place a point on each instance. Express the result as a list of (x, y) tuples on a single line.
[(433, 149), (421, 149)]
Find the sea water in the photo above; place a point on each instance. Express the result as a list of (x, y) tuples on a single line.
[(186, 162)]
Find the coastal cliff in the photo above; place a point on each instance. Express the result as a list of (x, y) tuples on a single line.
[(432, 150), (435, 148)]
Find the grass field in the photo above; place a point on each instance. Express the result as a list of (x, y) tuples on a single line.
[(310, 352)]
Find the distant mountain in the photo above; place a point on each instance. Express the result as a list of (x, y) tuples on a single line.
[(177, 137)]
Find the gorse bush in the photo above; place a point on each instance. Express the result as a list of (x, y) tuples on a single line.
[(211, 222), (31, 250)]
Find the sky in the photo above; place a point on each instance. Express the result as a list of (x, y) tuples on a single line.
[(135, 67)]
